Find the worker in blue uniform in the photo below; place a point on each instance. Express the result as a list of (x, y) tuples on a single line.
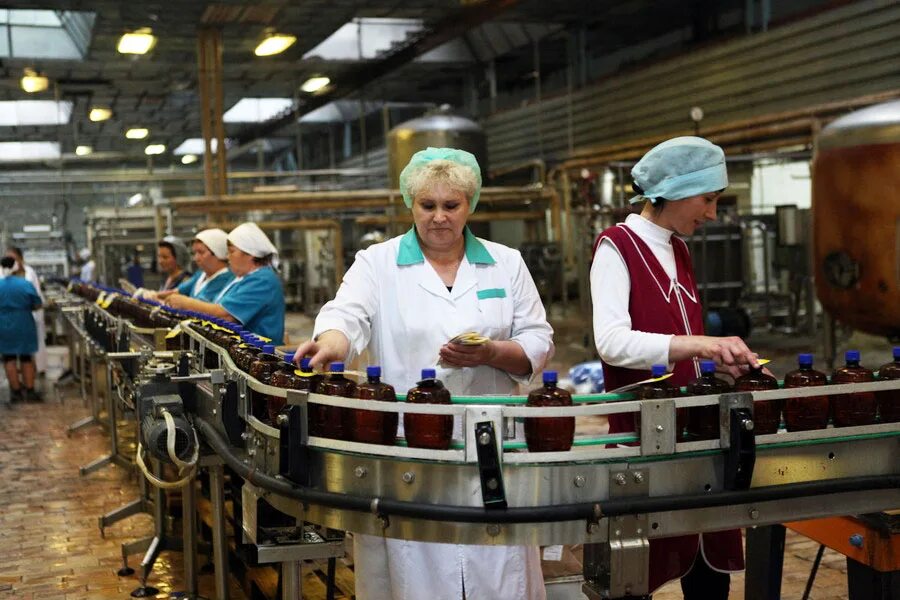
[(18, 332), (210, 252), (254, 298)]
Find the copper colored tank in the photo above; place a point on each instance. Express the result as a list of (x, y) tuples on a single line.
[(856, 218)]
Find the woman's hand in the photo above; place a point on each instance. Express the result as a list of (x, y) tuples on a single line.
[(330, 346), (176, 300), (729, 352), (463, 355), (162, 295)]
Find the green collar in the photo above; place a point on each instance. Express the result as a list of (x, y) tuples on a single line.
[(410, 253)]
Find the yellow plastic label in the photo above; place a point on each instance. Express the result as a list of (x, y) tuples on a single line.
[(470, 338)]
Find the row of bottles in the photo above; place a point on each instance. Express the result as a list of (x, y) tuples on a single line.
[(800, 414)]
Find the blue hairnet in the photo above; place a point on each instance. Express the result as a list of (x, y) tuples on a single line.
[(423, 157), (680, 168)]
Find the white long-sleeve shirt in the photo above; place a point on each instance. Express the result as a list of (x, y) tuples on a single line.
[(617, 343)]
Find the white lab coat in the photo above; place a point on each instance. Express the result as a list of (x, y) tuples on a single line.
[(40, 359), (403, 314)]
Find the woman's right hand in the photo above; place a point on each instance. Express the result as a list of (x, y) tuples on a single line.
[(729, 352), (331, 346)]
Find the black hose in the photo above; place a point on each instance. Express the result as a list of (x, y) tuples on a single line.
[(536, 514)]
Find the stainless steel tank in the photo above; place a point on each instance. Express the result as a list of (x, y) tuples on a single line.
[(441, 128), (856, 218)]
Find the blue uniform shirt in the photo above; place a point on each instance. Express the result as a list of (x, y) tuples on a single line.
[(257, 301), (210, 290), (18, 332)]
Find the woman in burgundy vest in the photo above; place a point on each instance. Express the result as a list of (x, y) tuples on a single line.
[(647, 311)]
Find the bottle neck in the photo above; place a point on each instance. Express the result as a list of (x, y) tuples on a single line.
[(550, 385), (853, 364), (374, 379)]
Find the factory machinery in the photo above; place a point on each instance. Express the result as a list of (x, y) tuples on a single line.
[(612, 493)]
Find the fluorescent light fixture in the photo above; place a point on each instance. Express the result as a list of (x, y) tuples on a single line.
[(15, 113), (140, 41), (195, 146), (314, 84), (83, 150), (136, 199), (32, 82), (28, 151), (154, 149), (99, 113), (256, 110), (275, 43), (189, 159), (137, 133)]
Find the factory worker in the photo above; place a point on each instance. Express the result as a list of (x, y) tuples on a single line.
[(647, 311), (403, 300), (31, 276), (210, 252), (254, 298), (172, 258), (18, 332), (88, 265)]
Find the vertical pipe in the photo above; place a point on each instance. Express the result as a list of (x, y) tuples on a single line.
[(537, 97), (338, 254), (492, 84), (291, 584), (570, 76), (111, 413), (220, 544), (189, 537), (205, 109)]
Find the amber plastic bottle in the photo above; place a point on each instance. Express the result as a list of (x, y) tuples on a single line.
[(286, 377), (428, 431), (549, 434), (661, 389), (889, 400), (261, 369), (370, 426), (853, 409), (806, 414), (703, 421), (328, 421), (766, 413)]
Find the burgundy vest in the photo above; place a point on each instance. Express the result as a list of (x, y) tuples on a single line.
[(659, 305)]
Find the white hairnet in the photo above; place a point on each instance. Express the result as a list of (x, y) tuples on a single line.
[(216, 240), (182, 254), (679, 168), (249, 238), (84, 253)]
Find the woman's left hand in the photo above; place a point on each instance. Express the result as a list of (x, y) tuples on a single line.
[(461, 355), (176, 300)]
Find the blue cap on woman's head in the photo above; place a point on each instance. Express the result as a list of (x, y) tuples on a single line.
[(680, 168), (423, 157)]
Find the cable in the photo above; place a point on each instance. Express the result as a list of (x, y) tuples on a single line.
[(186, 470)]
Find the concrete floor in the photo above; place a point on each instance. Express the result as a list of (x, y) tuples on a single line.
[(51, 547)]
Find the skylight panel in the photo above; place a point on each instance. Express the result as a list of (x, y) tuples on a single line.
[(16, 113), (365, 38), (34, 18), (257, 110), (28, 151), (195, 146)]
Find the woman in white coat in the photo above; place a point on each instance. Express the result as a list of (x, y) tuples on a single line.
[(403, 299)]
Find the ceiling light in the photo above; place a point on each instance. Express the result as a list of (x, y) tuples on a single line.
[(136, 199), (274, 43), (314, 84), (140, 41), (188, 159), (32, 82), (99, 114), (137, 133), (83, 150), (154, 149)]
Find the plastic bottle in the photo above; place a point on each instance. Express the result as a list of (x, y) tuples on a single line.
[(806, 414), (766, 413), (858, 408), (328, 421), (661, 389), (261, 369), (703, 421), (286, 377), (428, 431), (889, 400), (549, 434), (370, 426)]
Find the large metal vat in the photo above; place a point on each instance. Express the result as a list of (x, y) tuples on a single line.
[(856, 217), (439, 129)]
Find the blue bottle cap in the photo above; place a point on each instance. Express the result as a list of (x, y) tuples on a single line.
[(373, 371), (805, 360), (707, 366), (896, 352), (304, 363), (269, 348), (337, 367), (852, 356), (658, 370), (551, 377), (429, 374)]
